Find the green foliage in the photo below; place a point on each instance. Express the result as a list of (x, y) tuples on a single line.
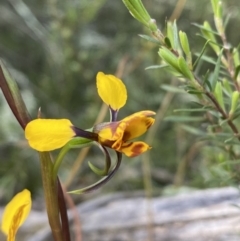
[(213, 89)]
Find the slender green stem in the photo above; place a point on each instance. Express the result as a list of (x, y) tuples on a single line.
[(51, 195), (58, 161), (76, 142)]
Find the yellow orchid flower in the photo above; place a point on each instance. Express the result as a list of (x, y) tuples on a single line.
[(15, 214), (51, 134)]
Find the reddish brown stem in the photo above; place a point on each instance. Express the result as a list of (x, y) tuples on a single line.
[(63, 212), (223, 113)]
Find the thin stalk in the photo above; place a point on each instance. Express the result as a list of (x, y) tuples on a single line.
[(63, 212), (50, 189)]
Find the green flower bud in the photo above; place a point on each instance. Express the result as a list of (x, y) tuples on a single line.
[(138, 11), (217, 8), (185, 46), (184, 42)]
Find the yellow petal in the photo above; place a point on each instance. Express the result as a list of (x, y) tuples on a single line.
[(133, 149), (111, 134), (48, 134), (111, 130), (137, 124), (111, 90), (15, 213)]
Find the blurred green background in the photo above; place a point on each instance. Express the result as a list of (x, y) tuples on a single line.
[(54, 49)]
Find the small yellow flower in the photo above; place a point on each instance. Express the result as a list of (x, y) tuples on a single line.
[(48, 135), (117, 135), (15, 213)]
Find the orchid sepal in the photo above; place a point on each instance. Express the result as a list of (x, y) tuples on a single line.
[(103, 172), (101, 182)]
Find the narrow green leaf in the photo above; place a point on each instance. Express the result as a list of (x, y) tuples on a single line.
[(234, 103), (175, 36), (236, 57), (226, 87), (216, 70), (173, 89), (193, 130), (201, 54), (157, 66), (214, 6), (184, 119), (191, 110), (219, 94), (150, 39), (169, 58), (231, 162), (194, 92), (198, 104), (170, 33), (223, 122), (217, 8), (13, 96), (141, 9), (185, 69), (236, 114), (130, 5), (185, 46), (206, 80), (207, 33), (237, 69), (205, 28), (208, 59)]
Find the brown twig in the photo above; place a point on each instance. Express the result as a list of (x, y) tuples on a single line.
[(75, 215), (229, 63), (223, 113), (63, 212), (177, 10)]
